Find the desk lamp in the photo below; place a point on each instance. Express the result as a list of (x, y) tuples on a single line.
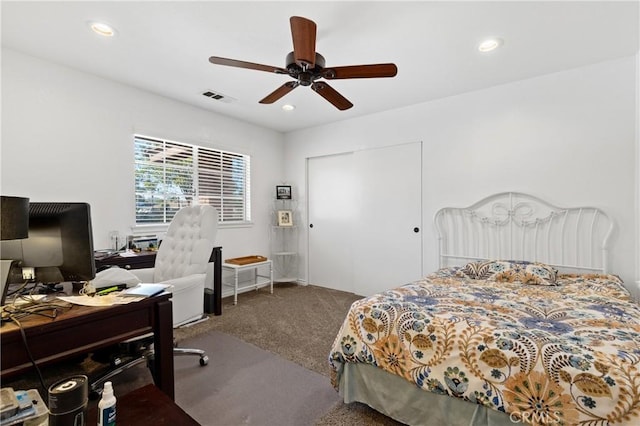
[(14, 225)]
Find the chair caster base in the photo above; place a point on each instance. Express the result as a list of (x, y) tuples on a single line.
[(204, 360)]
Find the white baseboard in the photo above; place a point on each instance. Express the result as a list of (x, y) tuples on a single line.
[(198, 321)]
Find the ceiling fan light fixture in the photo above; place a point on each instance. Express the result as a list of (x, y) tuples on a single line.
[(288, 107), (102, 29), (490, 44)]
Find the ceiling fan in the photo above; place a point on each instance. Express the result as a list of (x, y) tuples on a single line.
[(307, 66)]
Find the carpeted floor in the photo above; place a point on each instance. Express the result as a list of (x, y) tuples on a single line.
[(246, 385), (297, 323)]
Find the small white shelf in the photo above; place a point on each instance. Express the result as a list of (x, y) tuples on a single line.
[(259, 279), (284, 243), (285, 280)]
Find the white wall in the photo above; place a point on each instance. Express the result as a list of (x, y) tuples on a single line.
[(638, 174), (68, 136), (567, 137)]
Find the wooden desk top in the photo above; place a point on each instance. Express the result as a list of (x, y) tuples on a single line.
[(73, 314), (75, 330)]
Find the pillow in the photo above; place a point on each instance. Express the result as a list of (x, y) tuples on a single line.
[(535, 273), (470, 270)]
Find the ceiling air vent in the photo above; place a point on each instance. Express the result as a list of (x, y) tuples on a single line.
[(218, 96)]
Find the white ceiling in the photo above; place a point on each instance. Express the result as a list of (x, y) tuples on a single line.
[(163, 47)]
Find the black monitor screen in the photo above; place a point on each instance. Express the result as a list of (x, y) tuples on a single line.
[(60, 243)]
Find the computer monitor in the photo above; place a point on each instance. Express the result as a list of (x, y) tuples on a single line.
[(60, 243)]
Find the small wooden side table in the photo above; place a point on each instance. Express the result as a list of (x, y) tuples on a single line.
[(147, 405)]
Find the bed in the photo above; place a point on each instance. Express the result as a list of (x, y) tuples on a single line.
[(523, 322)]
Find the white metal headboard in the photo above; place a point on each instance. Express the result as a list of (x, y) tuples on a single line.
[(517, 226)]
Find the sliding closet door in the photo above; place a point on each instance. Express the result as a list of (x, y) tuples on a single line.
[(387, 250), (331, 217), (365, 219)]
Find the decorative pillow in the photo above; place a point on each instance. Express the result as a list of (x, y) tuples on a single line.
[(470, 270), (510, 271), (517, 271)]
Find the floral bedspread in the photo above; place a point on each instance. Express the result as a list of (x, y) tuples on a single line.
[(565, 354)]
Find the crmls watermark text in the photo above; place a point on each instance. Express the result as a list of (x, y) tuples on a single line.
[(530, 418)]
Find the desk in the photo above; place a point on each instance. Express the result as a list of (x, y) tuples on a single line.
[(145, 406), (143, 259), (147, 259), (84, 329)]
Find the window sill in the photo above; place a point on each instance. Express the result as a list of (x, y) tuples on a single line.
[(161, 228), (151, 229)]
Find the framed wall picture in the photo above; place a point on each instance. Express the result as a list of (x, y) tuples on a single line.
[(285, 218), (283, 192)]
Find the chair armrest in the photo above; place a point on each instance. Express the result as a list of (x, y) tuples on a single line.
[(188, 281), (145, 275)]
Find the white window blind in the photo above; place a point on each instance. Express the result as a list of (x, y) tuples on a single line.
[(170, 175)]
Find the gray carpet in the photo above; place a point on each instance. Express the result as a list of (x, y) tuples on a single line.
[(246, 385), (298, 323)]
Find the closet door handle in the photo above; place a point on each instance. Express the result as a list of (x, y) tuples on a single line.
[(311, 225), (416, 229)]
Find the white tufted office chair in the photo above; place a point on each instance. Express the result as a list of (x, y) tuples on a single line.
[(181, 261)]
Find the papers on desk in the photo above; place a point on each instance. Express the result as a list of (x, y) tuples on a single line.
[(145, 290), (133, 294), (24, 299), (108, 300)]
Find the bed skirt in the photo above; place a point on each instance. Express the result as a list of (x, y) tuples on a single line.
[(403, 401)]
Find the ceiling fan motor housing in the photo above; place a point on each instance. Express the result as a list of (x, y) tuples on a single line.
[(305, 76)]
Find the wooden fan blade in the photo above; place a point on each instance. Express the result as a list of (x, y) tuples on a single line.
[(303, 32), (361, 71), (280, 92), (248, 65), (330, 94)]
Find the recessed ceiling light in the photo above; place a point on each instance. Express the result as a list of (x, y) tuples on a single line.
[(102, 29), (288, 107), (490, 44)]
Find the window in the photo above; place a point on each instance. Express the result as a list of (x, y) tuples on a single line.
[(170, 175)]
